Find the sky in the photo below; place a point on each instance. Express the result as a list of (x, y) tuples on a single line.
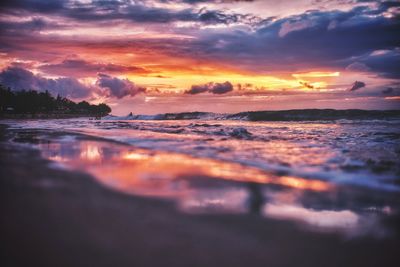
[(157, 56)]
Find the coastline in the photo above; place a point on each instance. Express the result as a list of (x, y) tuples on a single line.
[(262, 115), (47, 116), (273, 115), (54, 217)]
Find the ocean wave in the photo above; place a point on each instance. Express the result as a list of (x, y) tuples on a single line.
[(363, 152), (283, 115)]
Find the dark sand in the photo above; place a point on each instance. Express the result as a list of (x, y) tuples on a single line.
[(51, 217)]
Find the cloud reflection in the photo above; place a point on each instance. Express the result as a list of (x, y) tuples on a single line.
[(206, 185), (343, 219)]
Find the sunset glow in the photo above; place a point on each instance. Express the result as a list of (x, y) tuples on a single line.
[(121, 52), (200, 133)]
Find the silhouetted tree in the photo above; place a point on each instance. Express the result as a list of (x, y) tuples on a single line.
[(32, 102)]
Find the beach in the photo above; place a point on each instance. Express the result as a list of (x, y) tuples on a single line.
[(205, 133), (53, 215)]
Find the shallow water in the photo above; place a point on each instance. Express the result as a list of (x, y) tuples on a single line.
[(328, 176)]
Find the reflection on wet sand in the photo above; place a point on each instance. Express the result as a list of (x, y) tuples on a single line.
[(320, 218), (204, 185), (90, 153), (147, 172)]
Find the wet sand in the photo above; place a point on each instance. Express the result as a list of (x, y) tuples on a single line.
[(53, 217)]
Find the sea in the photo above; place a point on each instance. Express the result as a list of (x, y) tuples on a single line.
[(326, 171)]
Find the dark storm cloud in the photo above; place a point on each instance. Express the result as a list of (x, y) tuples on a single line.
[(148, 14), (309, 41), (390, 4), (129, 12), (198, 89), (215, 88), (393, 90), (22, 79), (312, 40), (357, 85), (213, 1), (387, 91), (118, 88), (221, 88), (24, 29), (138, 11), (34, 24), (82, 68), (42, 6), (386, 63), (205, 1)]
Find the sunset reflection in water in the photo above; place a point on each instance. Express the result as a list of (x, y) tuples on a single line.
[(143, 171), (201, 185)]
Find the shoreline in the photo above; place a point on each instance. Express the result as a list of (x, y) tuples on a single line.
[(262, 115), (54, 217), (46, 116), (273, 115)]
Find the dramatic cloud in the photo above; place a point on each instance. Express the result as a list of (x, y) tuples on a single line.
[(42, 6), (392, 91), (135, 11), (288, 27), (28, 26), (221, 88), (82, 68), (207, 1), (215, 88), (92, 45), (309, 41), (21, 79), (118, 87), (358, 66), (387, 91), (384, 62), (198, 89), (357, 85), (314, 39)]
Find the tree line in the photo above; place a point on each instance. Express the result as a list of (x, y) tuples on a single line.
[(34, 102)]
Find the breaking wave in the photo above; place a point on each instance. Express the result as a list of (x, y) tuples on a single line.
[(283, 115)]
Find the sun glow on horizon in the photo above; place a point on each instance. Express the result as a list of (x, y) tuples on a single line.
[(121, 52), (316, 74)]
